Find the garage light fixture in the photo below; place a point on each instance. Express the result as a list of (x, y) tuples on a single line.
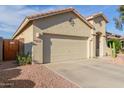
[(37, 35)]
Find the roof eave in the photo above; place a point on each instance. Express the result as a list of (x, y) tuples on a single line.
[(23, 24), (27, 19), (84, 19), (97, 16), (71, 10)]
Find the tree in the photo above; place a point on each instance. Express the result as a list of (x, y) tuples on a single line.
[(119, 22)]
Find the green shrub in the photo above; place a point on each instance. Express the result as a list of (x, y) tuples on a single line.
[(24, 59), (115, 45)]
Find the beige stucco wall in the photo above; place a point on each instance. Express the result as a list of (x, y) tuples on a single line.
[(109, 51), (100, 26), (58, 24), (92, 45), (27, 34), (92, 41), (1, 49)]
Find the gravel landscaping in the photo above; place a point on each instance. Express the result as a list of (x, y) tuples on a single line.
[(29, 76)]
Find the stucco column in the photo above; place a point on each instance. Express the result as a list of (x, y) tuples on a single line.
[(102, 45), (92, 46), (37, 51), (37, 46), (88, 48)]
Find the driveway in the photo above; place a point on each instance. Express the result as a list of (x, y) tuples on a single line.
[(93, 73)]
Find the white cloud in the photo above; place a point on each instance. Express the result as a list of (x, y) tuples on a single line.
[(12, 16)]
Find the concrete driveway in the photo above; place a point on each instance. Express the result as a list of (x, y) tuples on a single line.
[(93, 73)]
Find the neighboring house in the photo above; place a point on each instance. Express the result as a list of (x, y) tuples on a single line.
[(115, 36), (63, 35), (112, 36)]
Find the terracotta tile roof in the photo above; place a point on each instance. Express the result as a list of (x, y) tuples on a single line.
[(47, 14), (122, 38), (54, 12), (110, 37), (96, 15), (114, 36)]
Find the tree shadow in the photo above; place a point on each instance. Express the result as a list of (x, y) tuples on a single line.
[(6, 81)]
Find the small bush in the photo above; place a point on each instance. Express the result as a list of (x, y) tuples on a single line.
[(24, 59)]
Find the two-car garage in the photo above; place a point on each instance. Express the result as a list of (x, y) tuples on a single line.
[(58, 48)]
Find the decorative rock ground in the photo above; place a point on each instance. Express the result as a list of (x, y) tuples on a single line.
[(36, 75), (119, 59)]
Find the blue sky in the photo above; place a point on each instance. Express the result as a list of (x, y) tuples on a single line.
[(12, 16)]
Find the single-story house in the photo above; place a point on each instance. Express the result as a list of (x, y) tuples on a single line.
[(63, 35)]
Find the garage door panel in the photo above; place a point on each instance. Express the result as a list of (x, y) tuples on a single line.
[(64, 48)]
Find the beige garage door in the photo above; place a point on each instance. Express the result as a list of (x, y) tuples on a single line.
[(58, 48)]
